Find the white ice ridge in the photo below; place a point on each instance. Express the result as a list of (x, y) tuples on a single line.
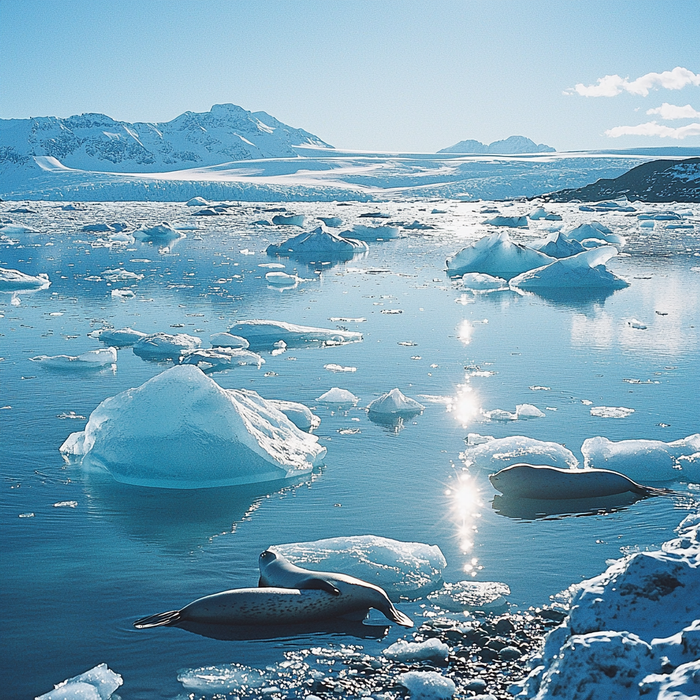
[(226, 340), (14, 280), (646, 460), (581, 271), (481, 283), (163, 346), (430, 650), (96, 684), (633, 631), (318, 242), (338, 396), (427, 685), (331, 221), (119, 338), (408, 569), (263, 334), (197, 202), (594, 229), (394, 404), (93, 359), (496, 255), (182, 430), (502, 452), (300, 415), (219, 359), (371, 233), (160, 233)]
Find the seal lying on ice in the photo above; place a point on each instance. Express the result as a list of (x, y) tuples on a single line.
[(553, 483), (276, 570)]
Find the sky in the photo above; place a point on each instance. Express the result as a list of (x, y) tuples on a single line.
[(376, 75)]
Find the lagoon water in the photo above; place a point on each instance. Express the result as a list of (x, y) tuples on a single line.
[(83, 556)]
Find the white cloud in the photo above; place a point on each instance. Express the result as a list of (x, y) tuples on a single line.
[(612, 85), (654, 129), (669, 112)]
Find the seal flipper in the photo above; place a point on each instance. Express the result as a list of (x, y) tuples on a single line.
[(318, 584), (171, 617)]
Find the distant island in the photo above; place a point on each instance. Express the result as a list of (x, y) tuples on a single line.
[(510, 146)]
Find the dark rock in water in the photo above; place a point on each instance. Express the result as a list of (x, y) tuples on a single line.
[(656, 181), (476, 685), (509, 653)]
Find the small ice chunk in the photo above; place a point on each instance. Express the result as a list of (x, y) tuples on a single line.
[(611, 411), (182, 430), (93, 359), (510, 221), (338, 396), (163, 346), (218, 359), (430, 650), (427, 685), (98, 228), (500, 414), (526, 410), (394, 404), (638, 325), (497, 454), (227, 678), (123, 294), (300, 415), (288, 220), (263, 334), (478, 282), (226, 340), (409, 569), (281, 279), (119, 338), (161, 232), (14, 280), (99, 683), (121, 275), (485, 596), (339, 368)]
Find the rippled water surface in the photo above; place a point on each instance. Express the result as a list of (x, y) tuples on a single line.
[(84, 556)]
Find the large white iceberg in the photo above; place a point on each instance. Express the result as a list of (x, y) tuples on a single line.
[(394, 404), (182, 430), (263, 334), (496, 255), (408, 569), (163, 346), (318, 242), (14, 281), (99, 683), (502, 452), (92, 359), (581, 271), (646, 460)]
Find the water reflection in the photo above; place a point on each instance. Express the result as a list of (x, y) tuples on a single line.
[(464, 332), (575, 299), (535, 509), (466, 503), (465, 405)]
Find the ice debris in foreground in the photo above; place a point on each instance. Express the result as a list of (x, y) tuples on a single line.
[(14, 281), (632, 631), (263, 334), (502, 452), (182, 430), (581, 271), (430, 650), (394, 404), (338, 396), (93, 359), (496, 255), (646, 460), (427, 685), (408, 569), (96, 684)]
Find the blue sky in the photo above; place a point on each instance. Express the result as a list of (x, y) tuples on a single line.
[(395, 75)]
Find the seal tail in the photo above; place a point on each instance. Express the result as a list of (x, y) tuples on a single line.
[(651, 491), (397, 616), (158, 620)]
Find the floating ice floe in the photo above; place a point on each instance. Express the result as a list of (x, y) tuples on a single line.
[(263, 334), (427, 685), (281, 279), (15, 281), (197, 202), (318, 242), (496, 255), (219, 359), (16, 229), (523, 411), (226, 678), (372, 233), (660, 216), (646, 460), (611, 411), (471, 596), (181, 430), (394, 404), (300, 415), (510, 221), (122, 294), (430, 650), (121, 237), (409, 569), (163, 346), (99, 683), (121, 275), (331, 221), (338, 396), (594, 229), (541, 213), (122, 337), (607, 206), (98, 228), (288, 220), (226, 340), (160, 233), (418, 226), (502, 452), (93, 359), (581, 271), (559, 246), (631, 632), (482, 283)]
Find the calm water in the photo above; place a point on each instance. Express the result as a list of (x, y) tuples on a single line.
[(74, 578)]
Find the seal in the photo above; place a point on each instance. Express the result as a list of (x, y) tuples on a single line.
[(271, 606), (276, 570), (553, 483)]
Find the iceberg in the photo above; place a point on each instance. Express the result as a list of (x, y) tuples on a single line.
[(338, 396), (288, 220), (559, 246), (160, 233), (372, 233), (181, 430), (163, 346), (119, 338), (481, 283), (594, 230), (93, 359), (496, 454), (317, 242), (584, 270), (496, 255), (99, 683), (263, 334), (121, 275), (510, 221), (14, 281), (394, 404), (300, 415), (226, 340), (402, 569), (219, 359), (646, 460)]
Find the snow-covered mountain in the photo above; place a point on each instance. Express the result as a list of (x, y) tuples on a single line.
[(99, 143), (512, 146)]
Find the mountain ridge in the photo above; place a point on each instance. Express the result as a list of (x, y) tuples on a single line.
[(513, 145)]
